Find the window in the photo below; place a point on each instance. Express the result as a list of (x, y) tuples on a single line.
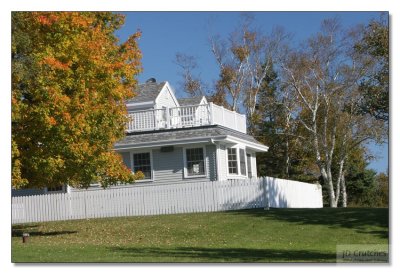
[(142, 162), (232, 161), (195, 162), (55, 188), (242, 162)]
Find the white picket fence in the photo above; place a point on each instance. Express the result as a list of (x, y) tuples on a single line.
[(140, 200)]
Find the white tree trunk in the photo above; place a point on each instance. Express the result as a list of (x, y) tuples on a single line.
[(328, 181), (344, 192), (324, 168), (287, 160)]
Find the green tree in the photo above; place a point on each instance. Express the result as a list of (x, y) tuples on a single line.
[(70, 77), (360, 181), (273, 124), (382, 180), (374, 43)]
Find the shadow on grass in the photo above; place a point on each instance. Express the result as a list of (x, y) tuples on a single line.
[(363, 220), (223, 254), (18, 230)]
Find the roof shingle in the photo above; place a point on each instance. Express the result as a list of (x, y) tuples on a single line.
[(183, 134), (190, 101), (147, 92)]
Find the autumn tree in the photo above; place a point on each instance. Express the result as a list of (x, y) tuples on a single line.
[(70, 77), (244, 59), (191, 84)]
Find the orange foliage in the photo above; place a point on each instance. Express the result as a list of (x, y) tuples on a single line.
[(54, 63), (52, 121), (46, 18), (81, 74)]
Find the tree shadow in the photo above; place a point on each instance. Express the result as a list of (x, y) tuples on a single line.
[(184, 254), (363, 220), (18, 230)]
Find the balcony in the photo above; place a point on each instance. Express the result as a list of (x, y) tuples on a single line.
[(185, 116)]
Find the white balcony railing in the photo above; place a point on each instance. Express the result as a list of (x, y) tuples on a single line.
[(186, 116)]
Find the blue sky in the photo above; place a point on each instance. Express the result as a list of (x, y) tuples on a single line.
[(166, 33)]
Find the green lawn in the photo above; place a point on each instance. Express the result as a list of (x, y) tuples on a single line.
[(277, 235)]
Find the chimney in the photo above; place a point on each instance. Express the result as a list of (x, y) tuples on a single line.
[(151, 80)]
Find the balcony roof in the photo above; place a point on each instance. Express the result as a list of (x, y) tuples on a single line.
[(190, 101), (185, 135)]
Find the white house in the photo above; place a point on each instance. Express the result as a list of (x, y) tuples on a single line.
[(191, 152), (181, 140)]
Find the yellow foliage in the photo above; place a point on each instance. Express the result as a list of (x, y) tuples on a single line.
[(66, 101)]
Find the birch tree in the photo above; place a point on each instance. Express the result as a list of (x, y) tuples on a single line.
[(325, 75)]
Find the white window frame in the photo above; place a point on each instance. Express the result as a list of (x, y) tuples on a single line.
[(185, 172), (245, 161), (151, 163), (239, 175), (227, 161)]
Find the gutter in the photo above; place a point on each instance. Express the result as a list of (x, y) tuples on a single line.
[(146, 103), (252, 145), (221, 138), (171, 142)]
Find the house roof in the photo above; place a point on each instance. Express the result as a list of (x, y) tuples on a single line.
[(190, 101), (182, 135), (147, 92)]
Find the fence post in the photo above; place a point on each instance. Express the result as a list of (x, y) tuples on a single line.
[(223, 116), (84, 201), (69, 205), (155, 120), (265, 190), (215, 195), (167, 117), (211, 110), (235, 121)]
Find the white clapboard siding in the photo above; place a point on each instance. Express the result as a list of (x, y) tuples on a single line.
[(141, 200)]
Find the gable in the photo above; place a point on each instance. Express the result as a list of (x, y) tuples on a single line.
[(203, 101), (166, 98)]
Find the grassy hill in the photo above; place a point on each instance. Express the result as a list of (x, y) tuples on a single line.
[(276, 235)]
